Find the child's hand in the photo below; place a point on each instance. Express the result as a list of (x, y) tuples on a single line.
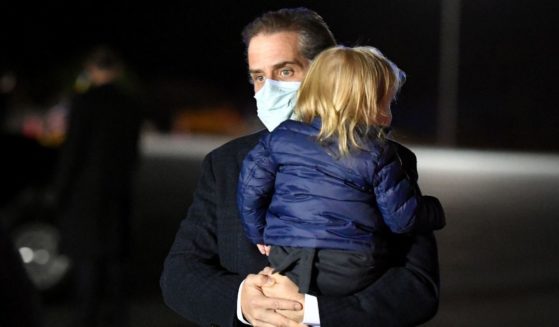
[(264, 249)]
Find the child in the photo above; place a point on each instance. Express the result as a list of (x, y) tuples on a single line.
[(325, 191)]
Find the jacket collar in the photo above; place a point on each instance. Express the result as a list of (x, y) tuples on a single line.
[(317, 123)]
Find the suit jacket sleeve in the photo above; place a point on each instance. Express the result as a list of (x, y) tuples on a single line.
[(193, 282)]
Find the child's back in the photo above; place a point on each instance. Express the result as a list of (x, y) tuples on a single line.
[(325, 191)]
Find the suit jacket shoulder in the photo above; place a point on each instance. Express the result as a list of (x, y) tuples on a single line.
[(237, 148)]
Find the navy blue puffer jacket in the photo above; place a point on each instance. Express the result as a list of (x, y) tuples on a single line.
[(292, 191)]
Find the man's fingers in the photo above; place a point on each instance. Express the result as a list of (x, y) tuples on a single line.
[(267, 271), (258, 323), (275, 304), (265, 278), (261, 310), (270, 318), (281, 304), (259, 280)]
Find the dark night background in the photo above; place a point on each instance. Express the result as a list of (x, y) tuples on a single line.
[(498, 251), (507, 67)]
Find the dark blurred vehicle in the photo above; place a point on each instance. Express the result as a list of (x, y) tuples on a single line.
[(164, 183)]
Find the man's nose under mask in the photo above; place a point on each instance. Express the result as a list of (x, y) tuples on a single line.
[(275, 102)]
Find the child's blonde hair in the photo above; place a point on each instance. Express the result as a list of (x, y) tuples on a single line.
[(346, 88)]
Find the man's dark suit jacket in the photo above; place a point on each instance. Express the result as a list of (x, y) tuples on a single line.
[(211, 257)]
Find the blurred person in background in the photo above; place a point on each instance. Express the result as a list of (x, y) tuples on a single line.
[(92, 189)]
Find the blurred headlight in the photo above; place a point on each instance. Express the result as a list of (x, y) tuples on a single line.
[(38, 246)]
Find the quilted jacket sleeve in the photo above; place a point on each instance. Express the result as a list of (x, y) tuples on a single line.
[(397, 193), (430, 214), (255, 189)]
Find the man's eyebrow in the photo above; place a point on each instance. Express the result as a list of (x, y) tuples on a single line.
[(254, 71), (285, 63), (276, 66)]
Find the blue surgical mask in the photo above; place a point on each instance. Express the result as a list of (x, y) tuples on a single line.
[(275, 102)]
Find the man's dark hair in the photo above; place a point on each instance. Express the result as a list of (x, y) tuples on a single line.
[(314, 34)]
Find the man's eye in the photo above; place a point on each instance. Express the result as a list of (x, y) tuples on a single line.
[(257, 78), (286, 72)]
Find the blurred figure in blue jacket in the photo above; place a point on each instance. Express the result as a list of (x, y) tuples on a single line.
[(324, 190)]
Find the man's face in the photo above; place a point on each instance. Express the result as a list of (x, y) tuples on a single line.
[(275, 56)]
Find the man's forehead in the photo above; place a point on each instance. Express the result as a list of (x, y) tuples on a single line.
[(283, 39), (267, 50)]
